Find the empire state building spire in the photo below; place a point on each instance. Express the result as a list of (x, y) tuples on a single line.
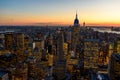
[(75, 37), (76, 16), (76, 21)]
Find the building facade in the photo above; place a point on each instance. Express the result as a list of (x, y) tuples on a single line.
[(114, 69), (60, 62), (91, 53), (9, 41), (20, 41), (75, 36)]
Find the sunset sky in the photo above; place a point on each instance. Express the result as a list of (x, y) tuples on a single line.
[(59, 12)]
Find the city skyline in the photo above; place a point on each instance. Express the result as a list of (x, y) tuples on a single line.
[(62, 12)]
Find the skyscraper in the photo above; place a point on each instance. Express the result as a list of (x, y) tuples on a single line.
[(20, 41), (75, 36), (60, 62), (9, 41), (60, 42), (117, 46), (91, 52), (114, 66)]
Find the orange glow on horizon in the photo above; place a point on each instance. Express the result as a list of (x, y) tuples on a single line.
[(55, 20), (60, 23)]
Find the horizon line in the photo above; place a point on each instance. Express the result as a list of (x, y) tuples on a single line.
[(58, 25), (61, 24)]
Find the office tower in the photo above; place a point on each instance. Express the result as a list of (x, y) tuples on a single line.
[(39, 46), (28, 46), (75, 36), (91, 53), (60, 43), (68, 38), (117, 45), (111, 49), (114, 70), (60, 62), (49, 44), (39, 43), (20, 41), (9, 41), (50, 50), (50, 39)]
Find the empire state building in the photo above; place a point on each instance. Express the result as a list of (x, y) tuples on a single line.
[(76, 22), (75, 36)]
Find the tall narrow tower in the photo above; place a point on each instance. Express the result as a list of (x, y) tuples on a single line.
[(60, 41), (75, 35), (9, 41), (76, 21), (60, 62)]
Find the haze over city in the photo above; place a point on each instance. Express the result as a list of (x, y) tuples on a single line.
[(59, 12)]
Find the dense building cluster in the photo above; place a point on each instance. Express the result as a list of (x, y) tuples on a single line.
[(59, 53)]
